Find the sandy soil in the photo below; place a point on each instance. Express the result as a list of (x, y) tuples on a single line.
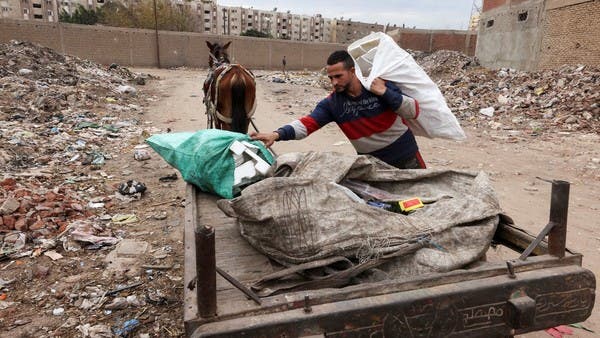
[(512, 163), (513, 166)]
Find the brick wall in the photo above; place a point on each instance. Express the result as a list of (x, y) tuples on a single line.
[(415, 41), (433, 40), (491, 4), (571, 35)]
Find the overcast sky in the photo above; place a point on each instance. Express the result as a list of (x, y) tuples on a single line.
[(425, 14)]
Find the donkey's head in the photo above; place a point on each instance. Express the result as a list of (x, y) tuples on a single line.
[(218, 53)]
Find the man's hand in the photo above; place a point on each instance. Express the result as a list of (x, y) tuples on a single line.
[(267, 138), (378, 86)]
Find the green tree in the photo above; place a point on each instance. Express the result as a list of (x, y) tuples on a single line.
[(114, 13), (172, 17), (80, 15), (257, 34)]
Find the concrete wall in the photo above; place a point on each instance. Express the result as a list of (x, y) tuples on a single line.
[(571, 34), (137, 47), (505, 40)]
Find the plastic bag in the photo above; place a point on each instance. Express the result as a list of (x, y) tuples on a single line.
[(378, 55), (203, 158)]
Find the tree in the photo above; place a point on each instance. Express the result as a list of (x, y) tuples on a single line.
[(80, 15), (141, 15), (257, 34), (114, 13)]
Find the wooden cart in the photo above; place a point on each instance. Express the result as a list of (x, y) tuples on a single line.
[(546, 286)]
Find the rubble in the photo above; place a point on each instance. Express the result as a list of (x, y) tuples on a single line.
[(536, 103), (63, 122)]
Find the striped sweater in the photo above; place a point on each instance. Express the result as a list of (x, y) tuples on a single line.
[(373, 124)]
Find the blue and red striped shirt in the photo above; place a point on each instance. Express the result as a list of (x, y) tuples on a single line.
[(373, 124)]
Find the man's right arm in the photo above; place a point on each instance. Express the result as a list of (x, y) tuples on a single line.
[(298, 129)]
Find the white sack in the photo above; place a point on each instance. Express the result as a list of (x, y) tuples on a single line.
[(378, 55)]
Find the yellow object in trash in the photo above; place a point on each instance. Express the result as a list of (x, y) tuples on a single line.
[(410, 204)]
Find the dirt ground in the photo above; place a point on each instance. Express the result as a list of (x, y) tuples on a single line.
[(512, 163)]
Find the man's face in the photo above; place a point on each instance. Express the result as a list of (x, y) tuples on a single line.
[(340, 77)]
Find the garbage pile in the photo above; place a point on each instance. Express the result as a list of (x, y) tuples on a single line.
[(444, 62), (61, 119), (561, 100), (303, 78), (63, 122)]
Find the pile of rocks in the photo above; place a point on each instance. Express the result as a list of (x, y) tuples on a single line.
[(43, 212)]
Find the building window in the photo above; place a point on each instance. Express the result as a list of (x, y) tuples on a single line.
[(249, 24), (49, 12), (38, 16), (523, 16), (489, 23), (25, 10), (206, 29), (206, 20), (37, 5)]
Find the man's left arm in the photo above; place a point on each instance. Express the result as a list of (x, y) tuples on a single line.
[(403, 105)]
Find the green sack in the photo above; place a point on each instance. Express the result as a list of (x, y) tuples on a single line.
[(203, 158)]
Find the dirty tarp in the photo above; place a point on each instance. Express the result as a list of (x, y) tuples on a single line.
[(308, 216)]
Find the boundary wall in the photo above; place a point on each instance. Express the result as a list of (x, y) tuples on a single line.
[(137, 47)]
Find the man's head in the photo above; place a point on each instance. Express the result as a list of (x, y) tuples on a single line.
[(340, 70)]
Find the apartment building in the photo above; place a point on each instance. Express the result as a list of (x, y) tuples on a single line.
[(226, 20), (214, 19), (10, 9), (44, 10), (347, 31)]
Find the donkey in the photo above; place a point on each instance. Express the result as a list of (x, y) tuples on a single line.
[(229, 91)]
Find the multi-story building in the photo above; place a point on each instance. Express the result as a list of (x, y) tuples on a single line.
[(214, 19), (207, 15), (10, 9), (45, 10), (348, 30)]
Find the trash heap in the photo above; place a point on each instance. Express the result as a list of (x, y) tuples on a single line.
[(68, 242), (61, 119), (303, 78), (561, 100)]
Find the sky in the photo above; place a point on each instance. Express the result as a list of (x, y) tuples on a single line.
[(424, 14)]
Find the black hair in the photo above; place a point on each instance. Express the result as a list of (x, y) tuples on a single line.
[(340, 56)]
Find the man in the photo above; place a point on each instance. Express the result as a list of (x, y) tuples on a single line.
[(371, 119), (284, 63)]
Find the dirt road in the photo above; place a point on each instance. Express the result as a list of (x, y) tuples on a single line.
[(513, 164)]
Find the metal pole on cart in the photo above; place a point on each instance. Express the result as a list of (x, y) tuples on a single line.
[(206, 267)]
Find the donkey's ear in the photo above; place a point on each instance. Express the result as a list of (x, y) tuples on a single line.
[(225, 46), (210, 45)]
